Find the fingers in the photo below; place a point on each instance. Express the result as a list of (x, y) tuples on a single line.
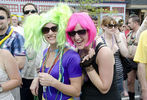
[(34, 87), (34, 91), (85, 58), (90, 54)]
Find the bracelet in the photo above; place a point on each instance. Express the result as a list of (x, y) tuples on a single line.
[(90, 68)]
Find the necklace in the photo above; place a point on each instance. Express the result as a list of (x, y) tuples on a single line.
[(59, 54), (54, 62), (131, 43), (132, 40), (50, 68), (6, 37)]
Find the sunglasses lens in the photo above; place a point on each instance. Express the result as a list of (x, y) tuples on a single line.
[(2, 17), (115, 25), (81, 32), (45, 30), (33, 11), (26, 12), (54, 29), (111, 25), (72, 33)]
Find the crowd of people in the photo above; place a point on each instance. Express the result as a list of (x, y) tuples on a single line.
[(59, 55)]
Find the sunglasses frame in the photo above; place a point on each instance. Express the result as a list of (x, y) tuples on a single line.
[(110, 26), (79, 32), (46, 30), (2, 17), (28, 11)]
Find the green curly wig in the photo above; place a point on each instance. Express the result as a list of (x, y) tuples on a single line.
[(33, 25)]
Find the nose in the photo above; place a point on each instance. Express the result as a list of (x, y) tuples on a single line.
[(76, 36), (29, 13), (50, 32)]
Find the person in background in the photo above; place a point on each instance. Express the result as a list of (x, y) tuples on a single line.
[(98, 76), (121, 29), (116, 41), (12, 41), (120, 25), (95, 20), (60, 72), (141, 59), (126, 29), (142, 28), (133, 24), (15, 25), (140, 56), (9, 75), (29, 8), (29, 72)]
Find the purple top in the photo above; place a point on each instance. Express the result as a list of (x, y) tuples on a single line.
[(72, 69)]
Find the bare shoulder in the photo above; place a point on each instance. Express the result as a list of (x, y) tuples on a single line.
[(4, 52), (105, 51)]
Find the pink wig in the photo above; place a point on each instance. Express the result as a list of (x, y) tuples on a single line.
[(85, 22)]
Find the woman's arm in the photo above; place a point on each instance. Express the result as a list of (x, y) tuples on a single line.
[(105, 62), (122, 43), (12, 70), (35, 86), (142, 79), (73, 89)]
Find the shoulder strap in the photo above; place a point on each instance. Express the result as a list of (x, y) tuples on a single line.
[(99, 46)]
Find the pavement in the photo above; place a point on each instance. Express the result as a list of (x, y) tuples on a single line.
[(137, 92)]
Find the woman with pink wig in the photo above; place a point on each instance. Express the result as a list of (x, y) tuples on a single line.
[(97, 60)]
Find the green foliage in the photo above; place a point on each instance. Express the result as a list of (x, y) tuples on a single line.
[(88, 5)]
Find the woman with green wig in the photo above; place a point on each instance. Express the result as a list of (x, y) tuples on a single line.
[(60, 71)]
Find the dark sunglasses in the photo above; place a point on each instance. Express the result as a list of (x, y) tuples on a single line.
[(27, 11), (111, 26), (2, 17), (79, 32), (46, 30)]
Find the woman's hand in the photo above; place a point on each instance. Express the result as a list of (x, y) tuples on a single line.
[(46, 79), (34, 86), (90, 54), (88, 59)]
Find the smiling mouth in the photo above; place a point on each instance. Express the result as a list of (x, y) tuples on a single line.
[(79, 42)]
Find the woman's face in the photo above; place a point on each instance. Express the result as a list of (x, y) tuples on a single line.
[(50, 31), (79, 36), (111, 28)]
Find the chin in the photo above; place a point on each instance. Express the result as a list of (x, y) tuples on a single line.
[(52, 42)]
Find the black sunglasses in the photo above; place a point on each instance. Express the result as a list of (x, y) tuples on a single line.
[(111, 26), (80, 32), (27, 11), (46, 30), (2, 17)]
